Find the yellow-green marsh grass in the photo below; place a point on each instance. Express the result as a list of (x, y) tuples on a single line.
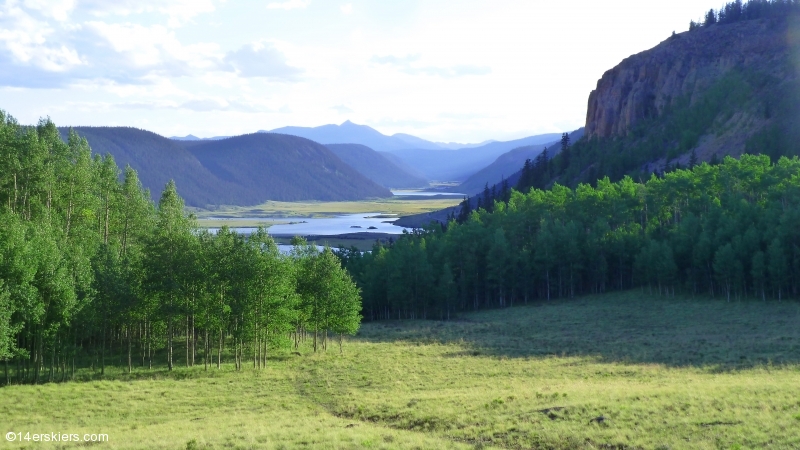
[(662, 373), (238, 223), (400, 207)]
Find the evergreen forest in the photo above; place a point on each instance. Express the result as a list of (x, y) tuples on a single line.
[(90, 268), (737, 11)]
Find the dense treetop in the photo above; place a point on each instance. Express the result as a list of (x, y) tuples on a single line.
[(88, 263), (723, 230), (753, 9)]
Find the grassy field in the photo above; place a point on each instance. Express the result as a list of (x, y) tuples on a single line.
[(662, 374), (399, 207)]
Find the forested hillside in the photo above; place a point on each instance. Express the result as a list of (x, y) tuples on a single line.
[(726, 230), (376, 166), (459, 164), (88, 263), (280, 167), (728, 86), (244, 170), (509, 164)]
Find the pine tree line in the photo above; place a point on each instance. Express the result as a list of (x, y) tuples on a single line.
[(90, 267), (725, 230), (737, 11)]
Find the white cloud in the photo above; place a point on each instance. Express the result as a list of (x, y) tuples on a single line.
[(396, 60), (407, 65), (30, 54), (289, 4), (178, 12), (262, 60), (203, 105), (39, 47), (342, 109), (196, 105), (453, 71), (151, 48), (56, 9)]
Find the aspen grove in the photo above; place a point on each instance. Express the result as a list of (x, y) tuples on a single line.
[(90, 268), (725, 230)]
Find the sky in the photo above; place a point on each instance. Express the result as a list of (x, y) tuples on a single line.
[(444, 70)]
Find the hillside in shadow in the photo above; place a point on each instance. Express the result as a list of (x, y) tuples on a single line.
[(241, 170)]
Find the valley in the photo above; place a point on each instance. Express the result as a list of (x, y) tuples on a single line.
[(627, 282), (397, 206), (327, 223)]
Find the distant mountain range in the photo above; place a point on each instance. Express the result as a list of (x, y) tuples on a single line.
[(376, 166), (242, 170), (299, 163), (191, 137), (434, 161), (351, 133)]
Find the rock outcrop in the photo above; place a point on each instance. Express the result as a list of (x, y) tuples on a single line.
[(643, 85)]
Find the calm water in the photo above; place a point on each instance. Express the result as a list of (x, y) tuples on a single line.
[(342, 224), (410, 193), (348, 223)]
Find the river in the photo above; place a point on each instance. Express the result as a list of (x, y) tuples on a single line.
[(326, 226)]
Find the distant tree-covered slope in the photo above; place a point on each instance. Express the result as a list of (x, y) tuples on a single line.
[(157, 160), (508, 165), (402, 164), (280, 167), (244, 170), (458, 165), (376, 166)]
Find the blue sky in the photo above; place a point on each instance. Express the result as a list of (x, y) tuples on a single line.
[(462, 71)]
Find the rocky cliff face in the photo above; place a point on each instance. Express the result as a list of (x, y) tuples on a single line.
[(644, 85)]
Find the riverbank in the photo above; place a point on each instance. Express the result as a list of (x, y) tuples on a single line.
[(361, 241)]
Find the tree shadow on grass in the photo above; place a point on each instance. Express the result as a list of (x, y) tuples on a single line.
[(630, 327)]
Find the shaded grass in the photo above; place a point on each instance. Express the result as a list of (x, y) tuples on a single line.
[(631, 328), (662, 374)]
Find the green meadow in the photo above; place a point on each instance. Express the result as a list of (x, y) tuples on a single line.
[(618, 371)]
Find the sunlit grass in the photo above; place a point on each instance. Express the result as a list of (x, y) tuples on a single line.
[(238, 223), (399, 207), (662, 374)]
